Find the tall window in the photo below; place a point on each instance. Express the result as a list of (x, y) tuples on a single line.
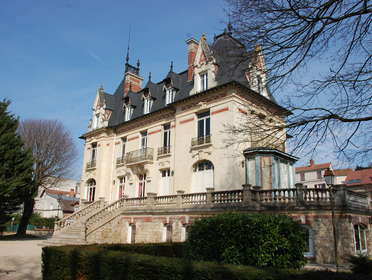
[(167, 233), (166, 135), (319, 174), (131, 233), (128, 110), (165, 182), (147, 103), (141, 185), (360, 238), (143, 140), (309, 241), (203, 81), (169, 95), (93, 155), (121, 187), (123, 144), (204, 126), (91, 189)]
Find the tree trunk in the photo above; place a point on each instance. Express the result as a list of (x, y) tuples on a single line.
[(28, 209)]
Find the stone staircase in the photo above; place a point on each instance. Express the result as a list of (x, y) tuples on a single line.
[(71, 229)]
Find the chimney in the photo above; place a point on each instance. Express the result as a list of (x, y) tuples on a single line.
[(311, 162), (132, 79), (192, 47)]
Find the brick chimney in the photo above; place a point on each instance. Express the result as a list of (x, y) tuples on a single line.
[(192, 47), (132, 79), (311, 162)]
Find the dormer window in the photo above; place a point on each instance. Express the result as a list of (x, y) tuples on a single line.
[(128, 111), (147, 103), (203, 81), (169, 95), (96, 121)]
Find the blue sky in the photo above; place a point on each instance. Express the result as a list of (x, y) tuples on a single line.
[(54, 54)]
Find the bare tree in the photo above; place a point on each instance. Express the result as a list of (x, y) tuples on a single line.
[(53, 151), (332, 38)]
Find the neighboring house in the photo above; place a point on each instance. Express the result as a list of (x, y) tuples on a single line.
[(155, 159), (360, 179), (311, 176), (57, 199)]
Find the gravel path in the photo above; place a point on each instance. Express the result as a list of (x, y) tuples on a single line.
[(20, 259)]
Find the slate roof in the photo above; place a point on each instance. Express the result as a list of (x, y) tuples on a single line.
[(228, 53)]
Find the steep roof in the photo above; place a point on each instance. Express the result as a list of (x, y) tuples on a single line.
[(359, 177), (232, 59)]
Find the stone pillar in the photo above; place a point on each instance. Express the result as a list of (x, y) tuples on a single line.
[(210, 195), (248, 196), (179, 198), (300, 197), (340, 196), (150, 201)]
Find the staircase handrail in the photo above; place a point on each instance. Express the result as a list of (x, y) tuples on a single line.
[(60, 224)]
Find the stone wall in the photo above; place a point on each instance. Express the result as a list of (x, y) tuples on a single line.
[(151, 229)]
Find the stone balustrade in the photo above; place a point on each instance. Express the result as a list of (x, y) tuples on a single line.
[(79, 215), (250, 198)]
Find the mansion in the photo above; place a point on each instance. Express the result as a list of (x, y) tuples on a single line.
[(169, 136), (159, 154)]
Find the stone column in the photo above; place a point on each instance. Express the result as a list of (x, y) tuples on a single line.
[(247, 194), (179, 198), (209, 195), (150, 201)]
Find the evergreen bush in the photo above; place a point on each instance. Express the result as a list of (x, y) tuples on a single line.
[(248, 239)]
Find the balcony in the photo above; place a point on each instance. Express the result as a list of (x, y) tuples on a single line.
[(140, 156), (201, 141), (164, 151), (91, 165)]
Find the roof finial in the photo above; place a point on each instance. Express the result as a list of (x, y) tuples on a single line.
[(101, 88), (127, 58), (138, 63), (171, 67), (229, 27), (149, 76)]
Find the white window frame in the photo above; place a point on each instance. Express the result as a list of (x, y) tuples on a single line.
[(203, 81), (310, 241), (169, 95), (93, 154), (147, 104), (128, 111), (205, 119), (362, 234), (121, 189)]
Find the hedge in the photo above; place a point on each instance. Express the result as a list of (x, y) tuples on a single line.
[(248, 239), (105, 262)]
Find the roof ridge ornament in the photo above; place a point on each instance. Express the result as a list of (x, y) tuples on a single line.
[(149, 76), (171, 67)]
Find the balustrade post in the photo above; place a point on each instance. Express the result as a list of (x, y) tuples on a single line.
[(340, 195), (210, 195), (300, 197), (247, 194), (150, 201), (179, 198)]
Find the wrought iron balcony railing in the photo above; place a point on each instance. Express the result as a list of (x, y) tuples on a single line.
[(145, 154), (200, 141), (162, 151), (91, 164)]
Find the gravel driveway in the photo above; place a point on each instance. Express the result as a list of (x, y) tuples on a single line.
[(20, 259)]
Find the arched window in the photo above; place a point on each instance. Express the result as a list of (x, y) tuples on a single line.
[(167, 232), (202, 177), (91, 189), (360, 238)]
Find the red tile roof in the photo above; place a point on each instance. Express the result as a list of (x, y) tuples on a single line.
[(313, 167), (68, 193), (342, 172), (359, 177)]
